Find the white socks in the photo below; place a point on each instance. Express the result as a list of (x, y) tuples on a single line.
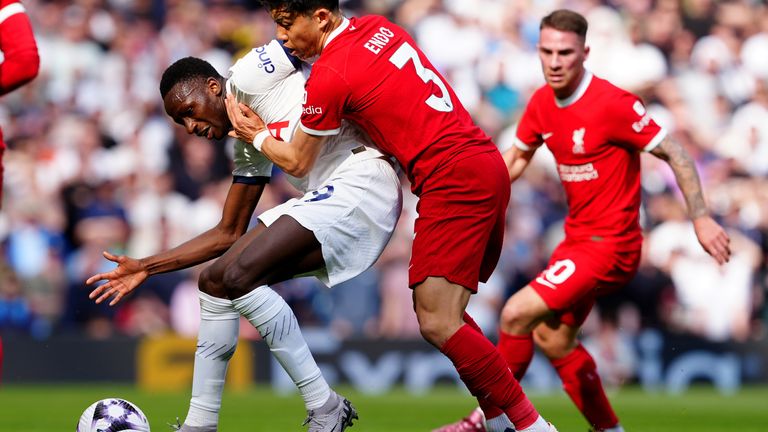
[(277, 324), (498, 424), (540, 425), (216, 343)]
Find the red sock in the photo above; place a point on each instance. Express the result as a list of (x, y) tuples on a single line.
[(517, 351), (578, 372), (490, 410), (487, 376)]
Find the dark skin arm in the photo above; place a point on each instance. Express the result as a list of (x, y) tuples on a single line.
[(131, 272), (711, 235)]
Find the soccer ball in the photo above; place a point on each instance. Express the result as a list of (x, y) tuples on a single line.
[(113, 415)]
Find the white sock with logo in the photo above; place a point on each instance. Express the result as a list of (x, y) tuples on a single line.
[(216, 343), (616, 428), (277, 325)]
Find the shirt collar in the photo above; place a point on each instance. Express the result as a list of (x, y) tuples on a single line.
[(580, 90), (343, 26)]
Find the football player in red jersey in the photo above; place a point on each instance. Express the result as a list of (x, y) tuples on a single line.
[(21, 61), (596, 132), (20, 65), (370, 71)]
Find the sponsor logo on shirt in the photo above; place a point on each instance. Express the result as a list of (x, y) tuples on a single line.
[(310, 110), (577, 173), (266, 62), (379, 40), (578, 140)]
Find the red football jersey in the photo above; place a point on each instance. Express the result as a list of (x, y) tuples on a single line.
[(371, 72), (596, 136)]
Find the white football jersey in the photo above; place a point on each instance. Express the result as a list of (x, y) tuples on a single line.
[(268, 81)]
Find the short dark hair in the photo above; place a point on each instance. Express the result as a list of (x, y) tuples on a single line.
[(186, 69), (567, 21), (300, 7)]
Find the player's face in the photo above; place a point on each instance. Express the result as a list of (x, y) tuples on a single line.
[(302, 35), (562, 56), (199, 107)]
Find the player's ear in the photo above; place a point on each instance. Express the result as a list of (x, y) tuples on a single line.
[(322, 17), (214, 86), (586, 51)]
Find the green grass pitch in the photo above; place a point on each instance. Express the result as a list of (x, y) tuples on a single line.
[(57, 408)]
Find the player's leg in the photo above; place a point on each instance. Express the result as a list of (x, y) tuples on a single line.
[(219, 326), (216, 342), (519, 316), (458, 241), (280, 252), (578, 372)]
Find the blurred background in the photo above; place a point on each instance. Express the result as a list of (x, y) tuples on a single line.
[(93, 163)]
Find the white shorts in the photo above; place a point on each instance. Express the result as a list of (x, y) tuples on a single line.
[(352, 216)]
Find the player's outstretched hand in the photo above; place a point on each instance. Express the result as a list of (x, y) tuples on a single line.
[(713, 238), (129, 274), (246, 123)]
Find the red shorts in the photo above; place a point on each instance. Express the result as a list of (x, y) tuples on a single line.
[(460, 229), (578, 272)]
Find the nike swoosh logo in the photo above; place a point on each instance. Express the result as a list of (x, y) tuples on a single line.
[(546, 135)]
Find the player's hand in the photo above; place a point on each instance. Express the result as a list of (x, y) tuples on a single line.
[(713, 238), (246, 123), (129, 274)]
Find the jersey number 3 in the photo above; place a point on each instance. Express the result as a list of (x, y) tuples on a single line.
[(407, 52)]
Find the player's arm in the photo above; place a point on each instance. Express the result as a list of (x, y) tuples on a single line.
[(711, 235), (517, 161), (296, 157), (131, 272), (17, 42)]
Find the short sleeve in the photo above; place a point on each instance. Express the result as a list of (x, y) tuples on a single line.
[(528, 134), (251, 166), (326, 93), (632, 125)]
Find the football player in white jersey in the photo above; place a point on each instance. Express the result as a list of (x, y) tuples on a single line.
[(351, 204)]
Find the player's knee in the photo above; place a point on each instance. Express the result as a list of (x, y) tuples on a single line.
[(211, 284), (235, 281), (433, 328), (514, 318)]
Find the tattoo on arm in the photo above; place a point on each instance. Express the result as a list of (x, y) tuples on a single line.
[(686, 174)]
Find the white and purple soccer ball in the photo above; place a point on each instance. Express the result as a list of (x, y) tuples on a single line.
[(113, 415)]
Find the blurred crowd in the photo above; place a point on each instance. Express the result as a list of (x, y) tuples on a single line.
[(94, 163)]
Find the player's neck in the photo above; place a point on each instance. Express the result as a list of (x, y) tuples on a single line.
[(334, 22), (568, 91)]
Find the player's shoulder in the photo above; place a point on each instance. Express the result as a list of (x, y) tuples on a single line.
[(263, 66), (606, 89)]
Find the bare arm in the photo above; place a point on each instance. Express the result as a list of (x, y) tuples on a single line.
[(130, 272), (517, 161), (296, 157), (711, 235)]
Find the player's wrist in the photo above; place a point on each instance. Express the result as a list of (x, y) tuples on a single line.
[(259, 139)]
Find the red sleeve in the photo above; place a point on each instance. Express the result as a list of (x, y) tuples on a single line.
[(632, 125), (17, 42), (528, 133), (326, 94)]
